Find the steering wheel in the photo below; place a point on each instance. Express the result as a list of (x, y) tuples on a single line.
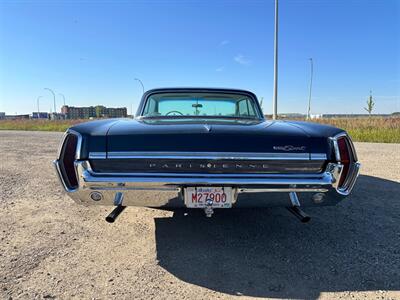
[(174, 112)]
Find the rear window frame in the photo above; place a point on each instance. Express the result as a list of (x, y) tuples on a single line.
[(148, 94)]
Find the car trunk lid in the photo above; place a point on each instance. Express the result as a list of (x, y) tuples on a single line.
[(208, 136)]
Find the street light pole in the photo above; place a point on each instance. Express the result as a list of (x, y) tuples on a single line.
[(309, 97), (54, 98), (63, 97), (141, 83), (275, 97), (38, 109)]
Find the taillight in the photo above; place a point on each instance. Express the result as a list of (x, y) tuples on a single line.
[(67, 159), (345, 159)]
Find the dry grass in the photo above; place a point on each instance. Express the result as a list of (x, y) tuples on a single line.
[(38, 125), (374, 129)]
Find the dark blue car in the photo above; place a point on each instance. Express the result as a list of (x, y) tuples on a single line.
[(205, 148)]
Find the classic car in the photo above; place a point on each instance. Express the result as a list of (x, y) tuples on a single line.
[(209, 149)]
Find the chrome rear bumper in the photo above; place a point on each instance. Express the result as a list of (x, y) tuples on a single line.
[(166, 189)]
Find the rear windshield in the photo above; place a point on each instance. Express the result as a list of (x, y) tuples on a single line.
[(212, 105)]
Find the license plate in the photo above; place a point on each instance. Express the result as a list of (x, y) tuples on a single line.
[(215, 197)]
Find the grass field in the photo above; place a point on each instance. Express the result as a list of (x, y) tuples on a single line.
[(38, 125), (374, 129)]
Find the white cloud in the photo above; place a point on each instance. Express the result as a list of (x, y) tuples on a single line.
[(224, 43), (242, 60), (220, 69)]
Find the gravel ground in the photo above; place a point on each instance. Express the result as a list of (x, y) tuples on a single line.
[(52, 248)]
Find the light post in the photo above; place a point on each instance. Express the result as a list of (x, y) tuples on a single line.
[(63, 97), (275, 97), (141, 83), (309, 97), (54, 97), (38, 109)]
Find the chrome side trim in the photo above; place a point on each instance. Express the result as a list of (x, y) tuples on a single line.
[(214, 155), (97, 155), (89, 168), (282, 190), (210, 175), (88, 180), (318, 156)]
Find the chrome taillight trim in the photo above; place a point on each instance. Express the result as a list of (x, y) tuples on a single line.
[(336, 146), (354, 167), (56, 162), (78, 145)]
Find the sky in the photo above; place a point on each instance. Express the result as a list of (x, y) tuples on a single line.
[(92, 51)]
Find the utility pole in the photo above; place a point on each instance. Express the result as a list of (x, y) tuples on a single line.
[(309, 97), (54, 98), (275, 97)]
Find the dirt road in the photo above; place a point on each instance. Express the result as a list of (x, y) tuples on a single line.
[(52, 248)]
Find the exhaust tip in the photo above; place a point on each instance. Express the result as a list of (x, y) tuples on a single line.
[(110, 219), (115, 213), (305, 219), (298, 213)]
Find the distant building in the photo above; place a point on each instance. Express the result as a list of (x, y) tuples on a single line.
[(292, 115), (98, 111), (316, 116), (2, 115), (16, 117), (57, 116), (327, 116), (40, 115)]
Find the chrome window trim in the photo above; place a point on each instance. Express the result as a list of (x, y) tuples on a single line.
[(206, 155), (149, 93)]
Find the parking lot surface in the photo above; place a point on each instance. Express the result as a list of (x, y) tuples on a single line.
[(52, 248)]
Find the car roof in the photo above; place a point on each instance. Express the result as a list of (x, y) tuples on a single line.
[(197, 89)]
